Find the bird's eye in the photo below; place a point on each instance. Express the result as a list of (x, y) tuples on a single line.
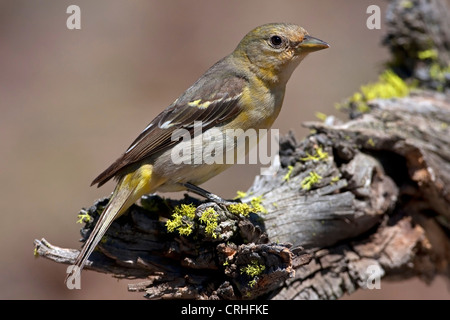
[(276, 41)]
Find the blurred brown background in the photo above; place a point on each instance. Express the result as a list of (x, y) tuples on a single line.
[(72, 100)]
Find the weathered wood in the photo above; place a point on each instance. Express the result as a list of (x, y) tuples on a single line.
[(384, 212), (352, 202), (415, 27)]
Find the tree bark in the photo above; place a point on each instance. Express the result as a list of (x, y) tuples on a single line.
[(352, 202)]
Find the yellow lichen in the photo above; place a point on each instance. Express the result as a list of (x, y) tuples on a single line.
[(256, 204), (310, 180), (370, 142), (318, 155), (438, 73), (253, 269), (242, 209), (182, 219), (334, 179), (428, 54), (321, 116), (287, 176), (407, 4), (389, 85), (240, 195), (209, 218), (84, 216)]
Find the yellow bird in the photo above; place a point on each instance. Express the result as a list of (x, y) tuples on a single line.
[(244, 90)]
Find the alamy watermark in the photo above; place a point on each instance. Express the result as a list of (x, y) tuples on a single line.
[(73, 22), (74, 277), (374, 20), (374, 273)]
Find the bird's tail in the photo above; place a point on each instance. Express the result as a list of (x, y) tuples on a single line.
[(128, 190)]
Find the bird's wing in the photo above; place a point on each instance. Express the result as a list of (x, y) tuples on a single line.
[(209, 100)]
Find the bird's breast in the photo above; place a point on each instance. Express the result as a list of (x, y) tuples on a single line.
[(260, 108)]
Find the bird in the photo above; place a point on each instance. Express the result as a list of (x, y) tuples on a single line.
[(244, 90)]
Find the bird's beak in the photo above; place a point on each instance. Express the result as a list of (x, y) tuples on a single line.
[(310, 44)]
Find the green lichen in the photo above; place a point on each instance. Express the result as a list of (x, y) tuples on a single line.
[(240, 195), (252, 283), (321, 116), (287, 176), (253, 269), (312, 179), (438, 73), (182, 219), (244, 209), (318, 155), (209, 218), (370, 142), (334, 179), (407, 4), (240, 209), (84, 217), (256, 203), (389, 85), (431, 54)]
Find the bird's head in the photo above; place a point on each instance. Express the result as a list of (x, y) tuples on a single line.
[(274, 50)]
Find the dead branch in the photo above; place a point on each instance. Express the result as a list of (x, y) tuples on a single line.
[(351, 202)]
